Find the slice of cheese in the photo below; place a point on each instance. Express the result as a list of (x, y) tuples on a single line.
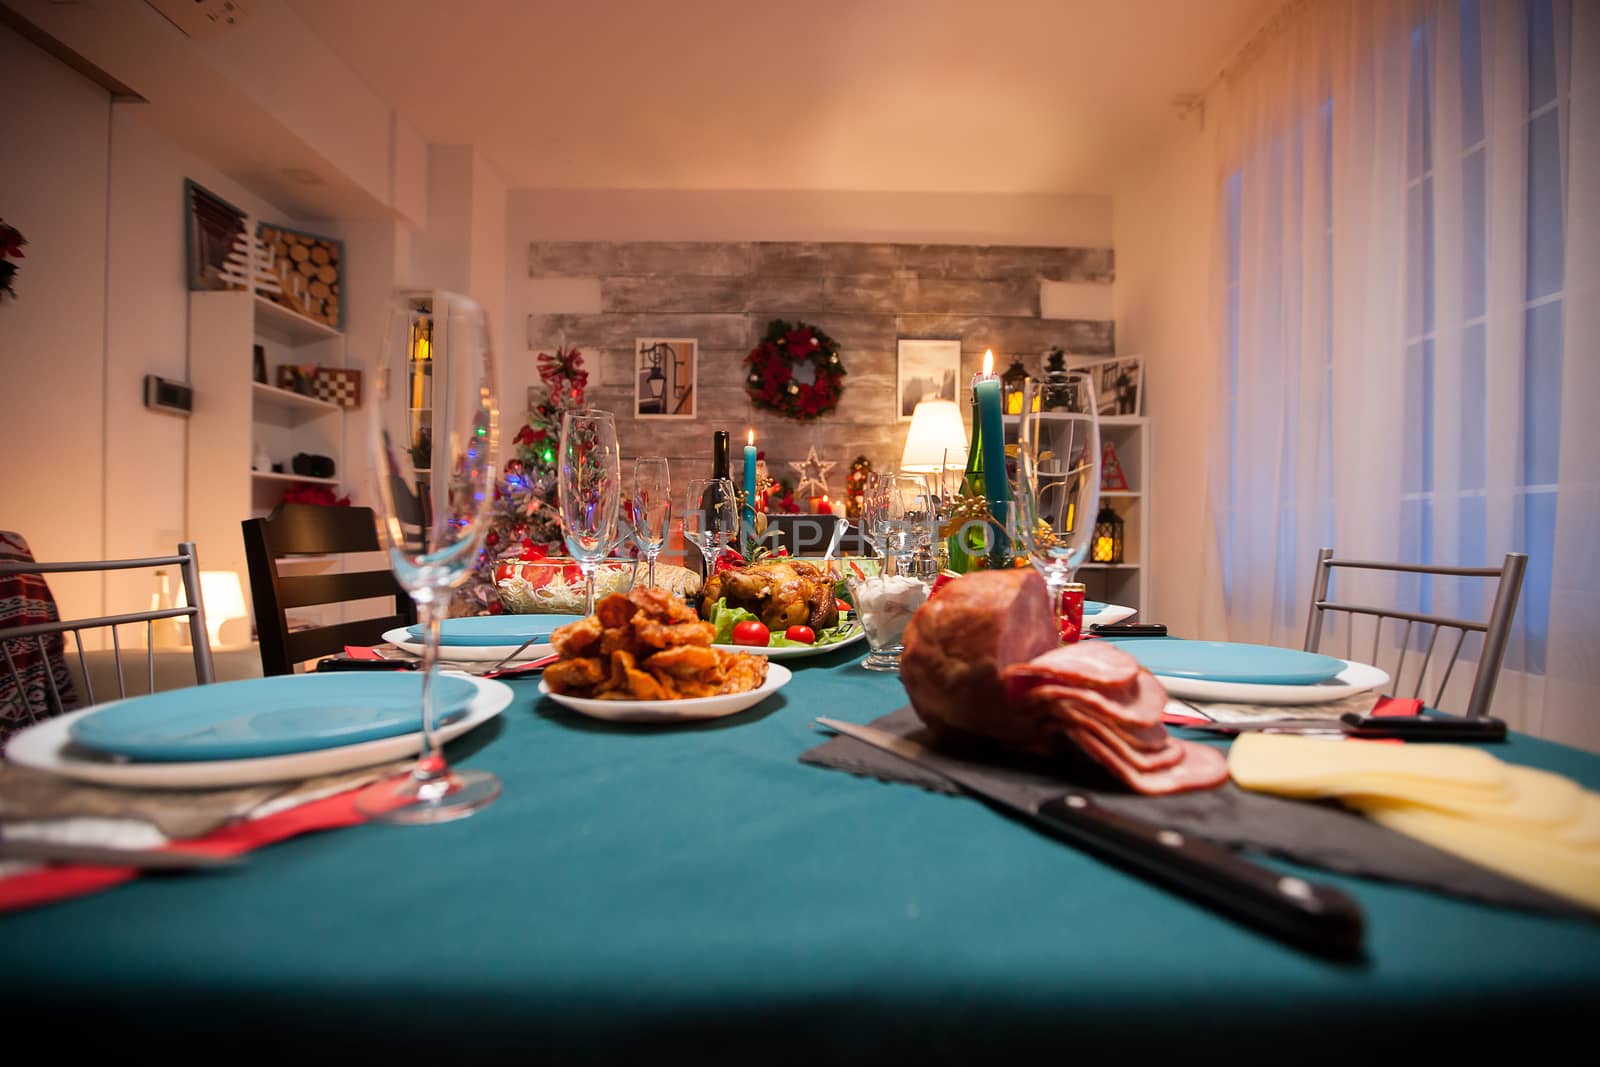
[(1273, 762), (1537, 800), (1567, 872), (1583, 832)]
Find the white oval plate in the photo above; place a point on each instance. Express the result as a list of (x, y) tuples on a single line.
[(47, 747), (399, 638), (796, 651), (665, 711), (1114, 613), (1354, 678)]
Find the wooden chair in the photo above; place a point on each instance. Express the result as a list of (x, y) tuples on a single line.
[(27, 647), (311, 530), (1496, 629)]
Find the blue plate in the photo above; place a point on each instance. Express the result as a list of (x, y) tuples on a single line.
[(1093, 607), (492, 630), (1224, 661), (268, 716)]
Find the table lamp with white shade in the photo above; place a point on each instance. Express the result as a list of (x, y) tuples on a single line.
[(937, 441)]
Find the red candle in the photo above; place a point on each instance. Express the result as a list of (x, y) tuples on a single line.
[(819, 506)]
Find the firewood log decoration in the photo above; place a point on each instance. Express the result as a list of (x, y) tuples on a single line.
[(307, 268)]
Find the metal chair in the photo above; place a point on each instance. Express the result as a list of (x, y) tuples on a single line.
[(193, 611), (310, 530), (1496, 629)]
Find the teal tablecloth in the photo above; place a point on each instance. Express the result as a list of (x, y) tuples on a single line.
[(636, 889)]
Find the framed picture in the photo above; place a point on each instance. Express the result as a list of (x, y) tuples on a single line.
[(1118, 384), (213, 229), (308, 270), (665, 370), (928, 370)]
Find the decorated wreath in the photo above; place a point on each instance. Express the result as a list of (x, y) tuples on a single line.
[(795, 371)]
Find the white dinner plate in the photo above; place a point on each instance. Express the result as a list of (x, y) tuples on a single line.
[(797, 651), (1352, 679), (400, 638), (668, 711), (1112, 613), (47, 747)]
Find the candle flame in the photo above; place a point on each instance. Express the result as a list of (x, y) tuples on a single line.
[(988, 362), (749, 437)]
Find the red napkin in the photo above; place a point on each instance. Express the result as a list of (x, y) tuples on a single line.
[(43, 885), (361, 652)]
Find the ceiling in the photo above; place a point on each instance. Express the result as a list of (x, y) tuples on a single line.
[(994, 96)]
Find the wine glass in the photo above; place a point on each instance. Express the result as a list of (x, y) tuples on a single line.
[(906, 516), (589, 484), (874, 501), (652, 508), (710, 517), (1057, 483), (433, 425)]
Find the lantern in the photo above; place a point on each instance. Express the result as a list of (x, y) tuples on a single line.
[(1011, 384), (1059, 390), (1107, 544)]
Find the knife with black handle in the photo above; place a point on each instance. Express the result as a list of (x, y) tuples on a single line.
[(1316, 917)]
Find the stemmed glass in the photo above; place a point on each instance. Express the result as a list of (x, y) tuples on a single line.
[(874, 503), (1057, 483), (906, 516), (589, 484), (433, 431), (652, 507), (710, 517)]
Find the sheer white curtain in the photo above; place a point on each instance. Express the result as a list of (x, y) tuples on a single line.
[(1407, 327)]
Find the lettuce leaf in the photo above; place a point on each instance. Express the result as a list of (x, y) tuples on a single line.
[(725, 618)]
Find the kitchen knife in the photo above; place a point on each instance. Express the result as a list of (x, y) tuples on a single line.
[(1370, 727), (1316, 917)]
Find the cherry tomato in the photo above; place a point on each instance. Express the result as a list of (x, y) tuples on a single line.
[(842, 605), (804, 634), (751, 632)]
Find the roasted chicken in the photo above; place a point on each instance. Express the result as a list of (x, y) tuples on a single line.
[(780, 592)]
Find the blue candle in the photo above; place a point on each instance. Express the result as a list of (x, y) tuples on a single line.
[(986, 388), (750, 479)]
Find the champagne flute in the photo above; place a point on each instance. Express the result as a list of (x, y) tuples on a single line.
[(589, 480), (874, 500), (710, 517), (1057, 483), (652, 508), (433, 426)]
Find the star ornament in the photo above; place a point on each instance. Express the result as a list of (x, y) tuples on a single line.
[(813, 474)]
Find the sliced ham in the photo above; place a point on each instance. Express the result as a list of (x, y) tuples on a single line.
[(1202, 767), (1146, 760), (981, 660), (1088, 664), (1134, 710)]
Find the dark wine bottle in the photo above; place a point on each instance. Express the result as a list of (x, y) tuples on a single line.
[(719, 455)]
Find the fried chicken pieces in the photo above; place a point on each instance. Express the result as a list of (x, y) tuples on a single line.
[(647, 645)]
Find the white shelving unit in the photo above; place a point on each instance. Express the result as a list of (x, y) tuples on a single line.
[(1128, 582), (234, 414)]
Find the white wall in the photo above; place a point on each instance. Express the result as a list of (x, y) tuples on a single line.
[(52, 337), (733, 215), (102, 302), (1163, 237)]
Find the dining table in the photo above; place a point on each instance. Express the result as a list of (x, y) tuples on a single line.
[(645, 891)]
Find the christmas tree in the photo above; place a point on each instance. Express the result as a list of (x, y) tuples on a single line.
[(525, 520)]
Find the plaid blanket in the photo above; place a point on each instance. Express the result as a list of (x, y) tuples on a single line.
[(24, 673)]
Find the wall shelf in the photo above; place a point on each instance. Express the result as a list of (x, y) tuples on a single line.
[(294, 404), (290, 327), (274, 476)]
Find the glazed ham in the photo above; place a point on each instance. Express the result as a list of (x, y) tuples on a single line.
[(974, 666)]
